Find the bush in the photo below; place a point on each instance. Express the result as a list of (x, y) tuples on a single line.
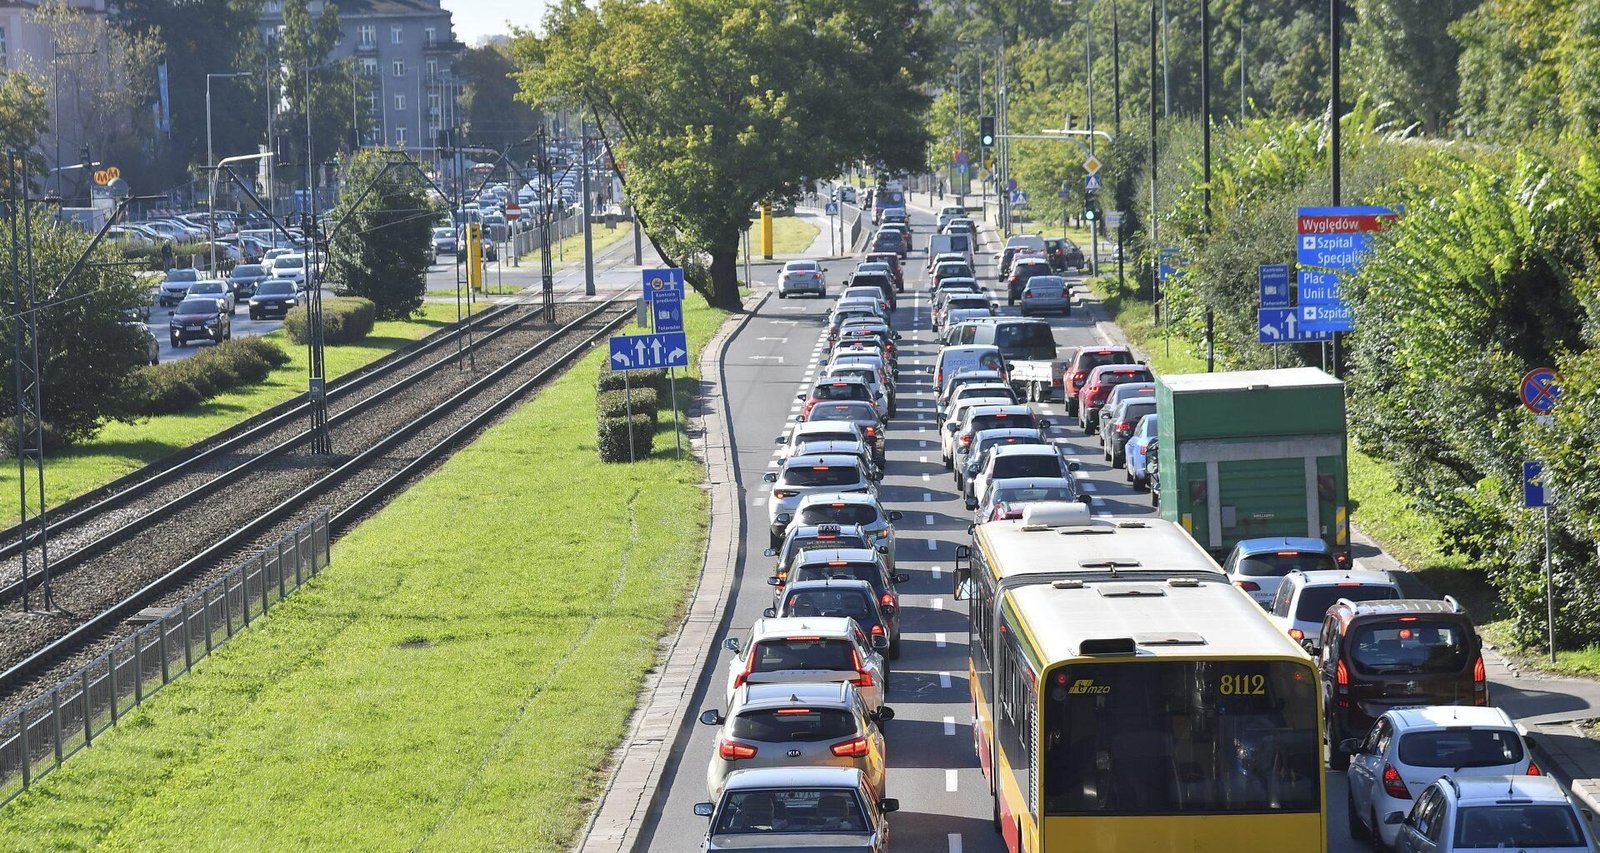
[(177, 386), (345, 320), (612, 437), (612, 380), (614, 404)]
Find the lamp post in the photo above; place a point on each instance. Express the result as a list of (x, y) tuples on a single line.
[(211, 180), (55, 114)]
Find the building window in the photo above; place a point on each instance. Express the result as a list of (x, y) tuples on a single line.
[(394, 34), (433, 104), (400, 136), (430, 36), (400, 102), (433, 70), (369, 67), (5, 59), (399, 68), (368, 33), (372, 102)]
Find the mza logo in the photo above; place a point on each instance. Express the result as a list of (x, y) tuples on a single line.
[(1087, 685)]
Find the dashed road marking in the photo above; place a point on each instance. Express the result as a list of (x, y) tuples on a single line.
[(927, 519), (938, 604), (949, 726), (955, 842), (938, 641), (923, 459), (950, 781), (925, 477), (937, 572), (933, 544), (927, 496), (944, 680), (1086, 485)]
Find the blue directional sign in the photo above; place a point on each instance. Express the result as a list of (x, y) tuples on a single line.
[(1327, 317), (666, 312), (1283, 326), (1171, 264), (1333, 251), (1274, 285), (1091, 183), (660, 279), (645, 352), (1318, 287), (1019, 197), (1533, 496)]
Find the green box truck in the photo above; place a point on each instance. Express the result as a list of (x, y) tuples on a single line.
[(1253, 453)]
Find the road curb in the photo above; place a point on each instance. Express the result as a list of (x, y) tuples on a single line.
[(664, 697)]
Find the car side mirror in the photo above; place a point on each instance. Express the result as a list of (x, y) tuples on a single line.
[(877, 475), (799, 396), (896, 515), (769, 613), (704, 809), (770, 552), (1394, 818), (782, 439), (880, 642), (883, 549), (711, 717), (897, 336), (172, 312), (731, 644), (1350, 746), (769, 477), (972, 503), (774, 581), (1044, 424), (882, 715), (1086, 500), (1073, 466)]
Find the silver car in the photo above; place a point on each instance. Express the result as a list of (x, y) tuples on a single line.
[(802, 475), (797, 725), (219, 289), (798, 809), (1045, 293), (801, 277), (851, 510)]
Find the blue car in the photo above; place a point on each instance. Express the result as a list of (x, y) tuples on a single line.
[(1136, 452), (1258, 566)]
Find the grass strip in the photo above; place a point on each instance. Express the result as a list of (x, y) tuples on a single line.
[(791, 235), (124, 447), (456, 680), (569, 250)]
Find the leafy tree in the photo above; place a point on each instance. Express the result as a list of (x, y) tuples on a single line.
[(495, 116), (24, 118), (380, 243), (1530, 65), (86, 351), (305, 44), (715, 105), (1402, 54)]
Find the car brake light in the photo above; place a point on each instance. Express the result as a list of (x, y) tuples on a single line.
[(1294, 633), (1288, 553), (886, 599), (1408, 618), (733, 750), (1480, 683), (863, 677), (1124, 428), (877, 630), (853, 748), (784, 493), (744, 675), (966, 439), (1341, 675), (1252, 586), (1393, 785), (871, 431), (1533, 769)]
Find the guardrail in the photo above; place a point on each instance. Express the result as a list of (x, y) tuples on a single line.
[(39, 736)]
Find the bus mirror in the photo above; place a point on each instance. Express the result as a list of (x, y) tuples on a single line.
[(963, 552), (965, 590)]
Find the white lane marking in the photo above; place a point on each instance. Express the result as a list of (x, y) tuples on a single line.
[(777, 358), (950, 781), (1086, 485), (772, 464), (780, 340), (923, 459), (757, 501), (933, 544), (938, 641), (925, 477), (922, 429), (944, 680), (949, 726), (925, 443), (955, 842), (938, 604), (927, 496), (936, 572)]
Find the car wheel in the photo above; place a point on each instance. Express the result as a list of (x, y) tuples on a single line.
[(1088, 428), (947, 463), (1127, 475), (155, 360), (1155, 496), (1118, 460), (1358, 830), (781, 294), (177, 344), (1072, 408), (894, 650), (1338, 759)]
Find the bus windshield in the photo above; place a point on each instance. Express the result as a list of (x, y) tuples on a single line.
[(1181, 737)]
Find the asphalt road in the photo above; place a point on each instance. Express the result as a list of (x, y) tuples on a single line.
[(944, 801)]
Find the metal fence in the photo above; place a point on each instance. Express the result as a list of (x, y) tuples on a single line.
[(568, 224), (38, 737)]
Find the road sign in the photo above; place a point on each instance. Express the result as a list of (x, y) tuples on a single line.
[(961, 158), (1327, 317), (1283, 326), (1171, 266), (646, 352), (1091, 165), (1540, 390), (659, 279), (1533, 496), (1333, 251), (1011, 185), (1065, 191), (1318, 287), (1019, 197), (101, 177), (666, 311), (1113, 219), (831, 208), (1091, 183), (1274, 280), (513, 212)]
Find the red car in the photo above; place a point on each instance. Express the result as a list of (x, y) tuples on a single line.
[(1086, 360), (893, 260), (1098, 387)]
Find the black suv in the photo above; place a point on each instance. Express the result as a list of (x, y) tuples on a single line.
[(1378, 655)]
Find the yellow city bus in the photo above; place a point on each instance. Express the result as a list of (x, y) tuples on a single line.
[(1128, 699)]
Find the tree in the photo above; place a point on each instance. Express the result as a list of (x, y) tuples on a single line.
[(87, 353), (380, 243), (305, 44), (715, 105), (1530, 65), (1403, 55), (495, 116), (24, 118)]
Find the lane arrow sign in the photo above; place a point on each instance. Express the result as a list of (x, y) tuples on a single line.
[(638, 347), (672, 357), (621, 359)]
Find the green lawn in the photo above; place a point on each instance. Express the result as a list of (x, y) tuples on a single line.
[(456, 680), (791, 235), (1136, 318), (569, 250), (122, 447)]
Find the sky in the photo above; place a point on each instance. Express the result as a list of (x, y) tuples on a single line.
[(476, 19)]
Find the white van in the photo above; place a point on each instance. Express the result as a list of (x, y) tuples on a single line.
[(956, 360)]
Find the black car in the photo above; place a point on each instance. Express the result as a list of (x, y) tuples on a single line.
[(274, 298), (1063, 254), (202, 318), (245, 278)]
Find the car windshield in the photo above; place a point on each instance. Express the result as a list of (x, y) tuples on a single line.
[(840, 391), (803, 725), (959, 302), (865, 374), (838, 513), (1315, 600), (1416, 646), (800, 266), (821, 475), (1461, 747), (275, 288), (830, 602), (1147, 426), (288, 262), (197, 306), (878, 280), (1517, 826), (248, 271), (208, 287), (1117, 377), (827, 435), (1133, 412), (1277, 564), (837, 570), (843, 540), (444, 232), (183, 275), (1027, 465), (1047, 284), (1028, 340), (1090, 359), (844, 412), (826, 810), (953, 271), (780, 654)]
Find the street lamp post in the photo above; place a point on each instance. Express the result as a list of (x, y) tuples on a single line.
[(55, 114), (211, 180)]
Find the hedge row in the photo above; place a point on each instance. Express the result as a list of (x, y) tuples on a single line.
[(612, 437), (345, 320), (611, 380), (646, 389), (176, 386), (615, 404)]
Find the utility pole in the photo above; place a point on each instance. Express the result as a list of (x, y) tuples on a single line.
[(546, 213), (588, 216), (1116, 71), (29, 382), (1155, 209), (1166, 64), (1205, 105), (316, 380), (1335, 108)]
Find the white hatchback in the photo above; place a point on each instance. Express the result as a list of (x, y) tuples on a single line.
[(810, 649)]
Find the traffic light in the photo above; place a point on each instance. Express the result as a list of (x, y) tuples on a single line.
[(986, 131), (84, 157), (1090, 214)]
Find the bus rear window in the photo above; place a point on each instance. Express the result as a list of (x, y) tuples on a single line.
[(1181, 737)]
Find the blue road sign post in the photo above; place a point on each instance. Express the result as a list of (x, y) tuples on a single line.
[(1534, 496), (647, 352), (1540, 389), (1091, 183), (1170, 264), (1274, 280), (831, 208), (660, 279), (1283, 326), (1331, 242), (666, 312)]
